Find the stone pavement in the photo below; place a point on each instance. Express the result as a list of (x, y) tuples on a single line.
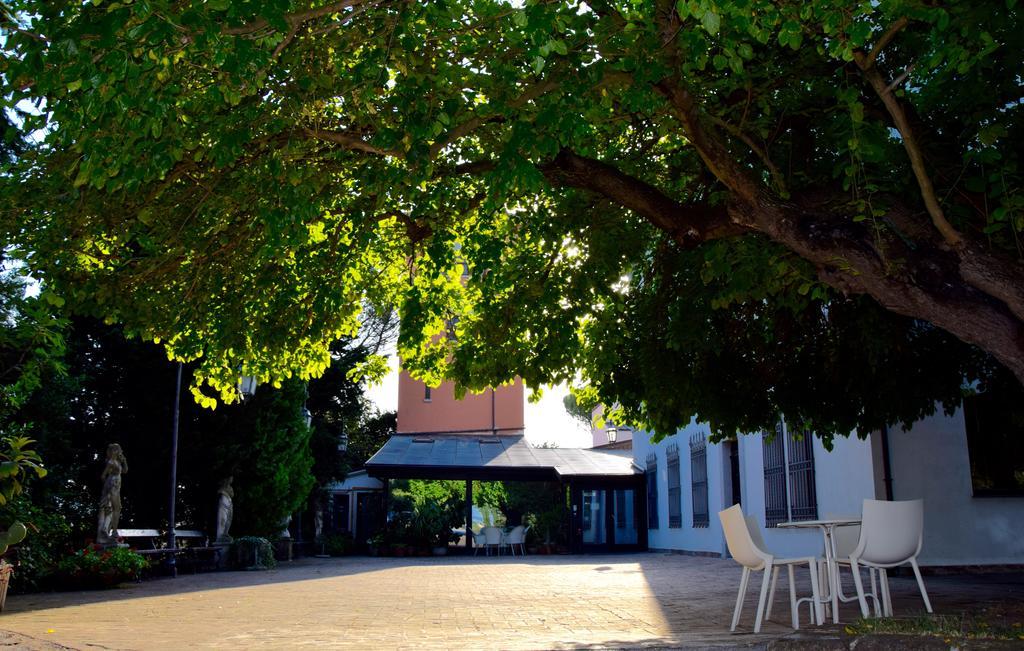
[(537, 602)]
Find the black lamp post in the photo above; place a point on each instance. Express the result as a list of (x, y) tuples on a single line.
[(246, 387), (172, 543)]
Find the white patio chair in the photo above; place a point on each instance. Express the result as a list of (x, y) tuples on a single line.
[(479, 541), (891, 535), (516, 537), (746, 552), (492, 539)]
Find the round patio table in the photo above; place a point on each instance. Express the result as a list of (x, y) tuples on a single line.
[(827, 528)]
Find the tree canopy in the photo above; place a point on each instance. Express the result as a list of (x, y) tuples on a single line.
[(701, 208)]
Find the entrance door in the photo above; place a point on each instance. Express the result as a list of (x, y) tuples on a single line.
[(605, 519), (594, 507), (368, 516), (624, 521)]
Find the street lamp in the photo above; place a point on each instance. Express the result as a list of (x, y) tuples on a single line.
[(613, 433), (247, 386)]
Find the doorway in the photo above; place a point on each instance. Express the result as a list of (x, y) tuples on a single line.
[(606, 519)]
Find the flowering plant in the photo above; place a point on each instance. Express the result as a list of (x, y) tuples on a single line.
[(100, 566)]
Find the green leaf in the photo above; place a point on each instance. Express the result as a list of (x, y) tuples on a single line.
[(711, 21)]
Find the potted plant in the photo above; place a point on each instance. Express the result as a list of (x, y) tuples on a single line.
[(432, 526), (375, 544), (95, 567)]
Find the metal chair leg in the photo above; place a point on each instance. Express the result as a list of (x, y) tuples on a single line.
[(739, 599)]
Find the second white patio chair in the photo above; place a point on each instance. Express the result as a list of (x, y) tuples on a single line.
[(516, 537), (891, 534), (745, 550), (492, 539)]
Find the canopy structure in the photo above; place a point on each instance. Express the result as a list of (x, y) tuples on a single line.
[(605, 489), (487, 457)]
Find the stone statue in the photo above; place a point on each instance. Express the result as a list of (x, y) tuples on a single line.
[(318, 520), (285, 533), (110, 497), (225, 510)]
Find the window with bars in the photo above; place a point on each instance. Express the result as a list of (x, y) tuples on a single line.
[(699, 479), (652, 491), (675, 497), (803, 497), (789, 484), (776, 508)]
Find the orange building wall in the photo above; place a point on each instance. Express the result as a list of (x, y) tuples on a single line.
[(443, 413)]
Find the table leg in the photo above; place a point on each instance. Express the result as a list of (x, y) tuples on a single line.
[(833, 573)]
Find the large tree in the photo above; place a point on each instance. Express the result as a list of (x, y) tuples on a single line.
[(238, 179)]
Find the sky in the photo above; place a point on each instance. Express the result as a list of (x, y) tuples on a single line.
[(547, 422)]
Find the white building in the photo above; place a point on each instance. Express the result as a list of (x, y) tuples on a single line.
[(971, 516)]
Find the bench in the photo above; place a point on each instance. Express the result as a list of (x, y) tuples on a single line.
[(196, 550), (192, 549)]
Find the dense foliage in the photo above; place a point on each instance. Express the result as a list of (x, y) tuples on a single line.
[(701, 208), (101, 568)]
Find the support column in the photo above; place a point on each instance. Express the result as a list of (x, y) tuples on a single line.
[(386, 498), (469, 514)]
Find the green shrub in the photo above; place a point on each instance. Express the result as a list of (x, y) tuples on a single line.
[(339, 544), (253, 552), (94, 567), (36, 558)]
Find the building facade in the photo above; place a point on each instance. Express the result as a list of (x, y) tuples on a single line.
[(793, 477), (432, 410)]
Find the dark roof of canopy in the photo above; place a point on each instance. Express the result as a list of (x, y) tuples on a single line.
[(488, 457)]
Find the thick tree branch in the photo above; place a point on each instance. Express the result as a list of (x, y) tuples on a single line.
[(472, 124), (714, 154), (866, 62), (293, 19), (350, 141), (885, 39), (687, 224), (760, 152)]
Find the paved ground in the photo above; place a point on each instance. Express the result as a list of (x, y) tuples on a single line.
[(537, 602)]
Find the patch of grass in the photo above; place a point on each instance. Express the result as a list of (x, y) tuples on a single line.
[(989, 623)]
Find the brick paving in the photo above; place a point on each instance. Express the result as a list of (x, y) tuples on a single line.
[(537, 602)]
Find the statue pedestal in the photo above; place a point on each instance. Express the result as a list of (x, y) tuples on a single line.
[(224, 547), (283, 549)]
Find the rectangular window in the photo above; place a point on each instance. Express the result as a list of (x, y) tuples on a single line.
[(652, 491), (776, 508), (803, 496), (699, 479), (995, 445), (426, 393), (675, 497)]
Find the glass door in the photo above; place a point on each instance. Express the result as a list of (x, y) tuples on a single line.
[(593, 505), (606, 519), (624, 522)]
